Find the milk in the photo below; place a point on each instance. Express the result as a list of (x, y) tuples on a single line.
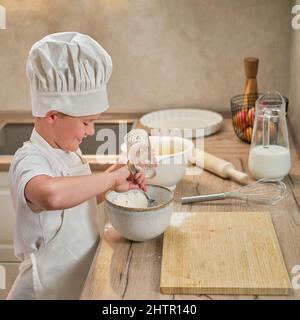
[(269, 162)]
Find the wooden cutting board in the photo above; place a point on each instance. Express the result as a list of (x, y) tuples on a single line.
[(223, 253)]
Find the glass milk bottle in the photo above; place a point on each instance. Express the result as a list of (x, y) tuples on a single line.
[(269, 155)]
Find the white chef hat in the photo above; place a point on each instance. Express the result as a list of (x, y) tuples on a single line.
[(68, 72)]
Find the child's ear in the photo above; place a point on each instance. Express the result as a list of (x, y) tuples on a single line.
[(51, 116)]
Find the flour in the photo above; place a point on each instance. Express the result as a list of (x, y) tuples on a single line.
[(178, 219), (132, 199)]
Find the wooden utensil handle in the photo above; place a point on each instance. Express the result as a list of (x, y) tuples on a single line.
[(251, 67)]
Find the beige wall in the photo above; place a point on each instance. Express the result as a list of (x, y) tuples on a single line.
[(294, 87), (166, 53)]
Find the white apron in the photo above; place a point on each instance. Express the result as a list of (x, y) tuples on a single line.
[(58, 269)]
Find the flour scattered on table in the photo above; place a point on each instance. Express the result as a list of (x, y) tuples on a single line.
[(178, 218), (132, 199)]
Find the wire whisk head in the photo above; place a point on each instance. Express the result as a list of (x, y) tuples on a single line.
[(264, 191)]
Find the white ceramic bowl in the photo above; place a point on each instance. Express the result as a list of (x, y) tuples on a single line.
[(172, 154), (141, 224), (171, 166)]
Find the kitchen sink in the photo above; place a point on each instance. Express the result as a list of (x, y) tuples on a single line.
[(12, 136)]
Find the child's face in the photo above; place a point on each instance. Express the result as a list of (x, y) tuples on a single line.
[(69, 131)]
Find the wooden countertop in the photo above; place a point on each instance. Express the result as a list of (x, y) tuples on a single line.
[(96, 163), (123, 269)]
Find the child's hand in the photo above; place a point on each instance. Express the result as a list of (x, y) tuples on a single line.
[(123, 183), (140, 179)]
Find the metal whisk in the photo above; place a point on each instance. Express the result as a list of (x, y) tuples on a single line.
[(137, 140), (264, 191)]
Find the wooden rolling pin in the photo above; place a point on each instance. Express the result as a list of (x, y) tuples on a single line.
[(218, 166)]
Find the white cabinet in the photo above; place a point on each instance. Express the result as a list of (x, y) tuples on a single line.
[(8, 262), (10, 271), (7, 214)]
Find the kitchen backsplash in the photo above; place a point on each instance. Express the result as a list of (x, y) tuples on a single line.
[(166, 53)]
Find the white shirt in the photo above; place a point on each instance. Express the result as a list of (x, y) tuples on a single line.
[(34, 229)]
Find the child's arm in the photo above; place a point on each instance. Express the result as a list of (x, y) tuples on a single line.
[(56, 193)]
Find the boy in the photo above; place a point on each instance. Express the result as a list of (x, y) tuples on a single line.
[(53, 191)]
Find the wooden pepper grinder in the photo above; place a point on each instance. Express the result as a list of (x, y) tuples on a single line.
[(251, 69)]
